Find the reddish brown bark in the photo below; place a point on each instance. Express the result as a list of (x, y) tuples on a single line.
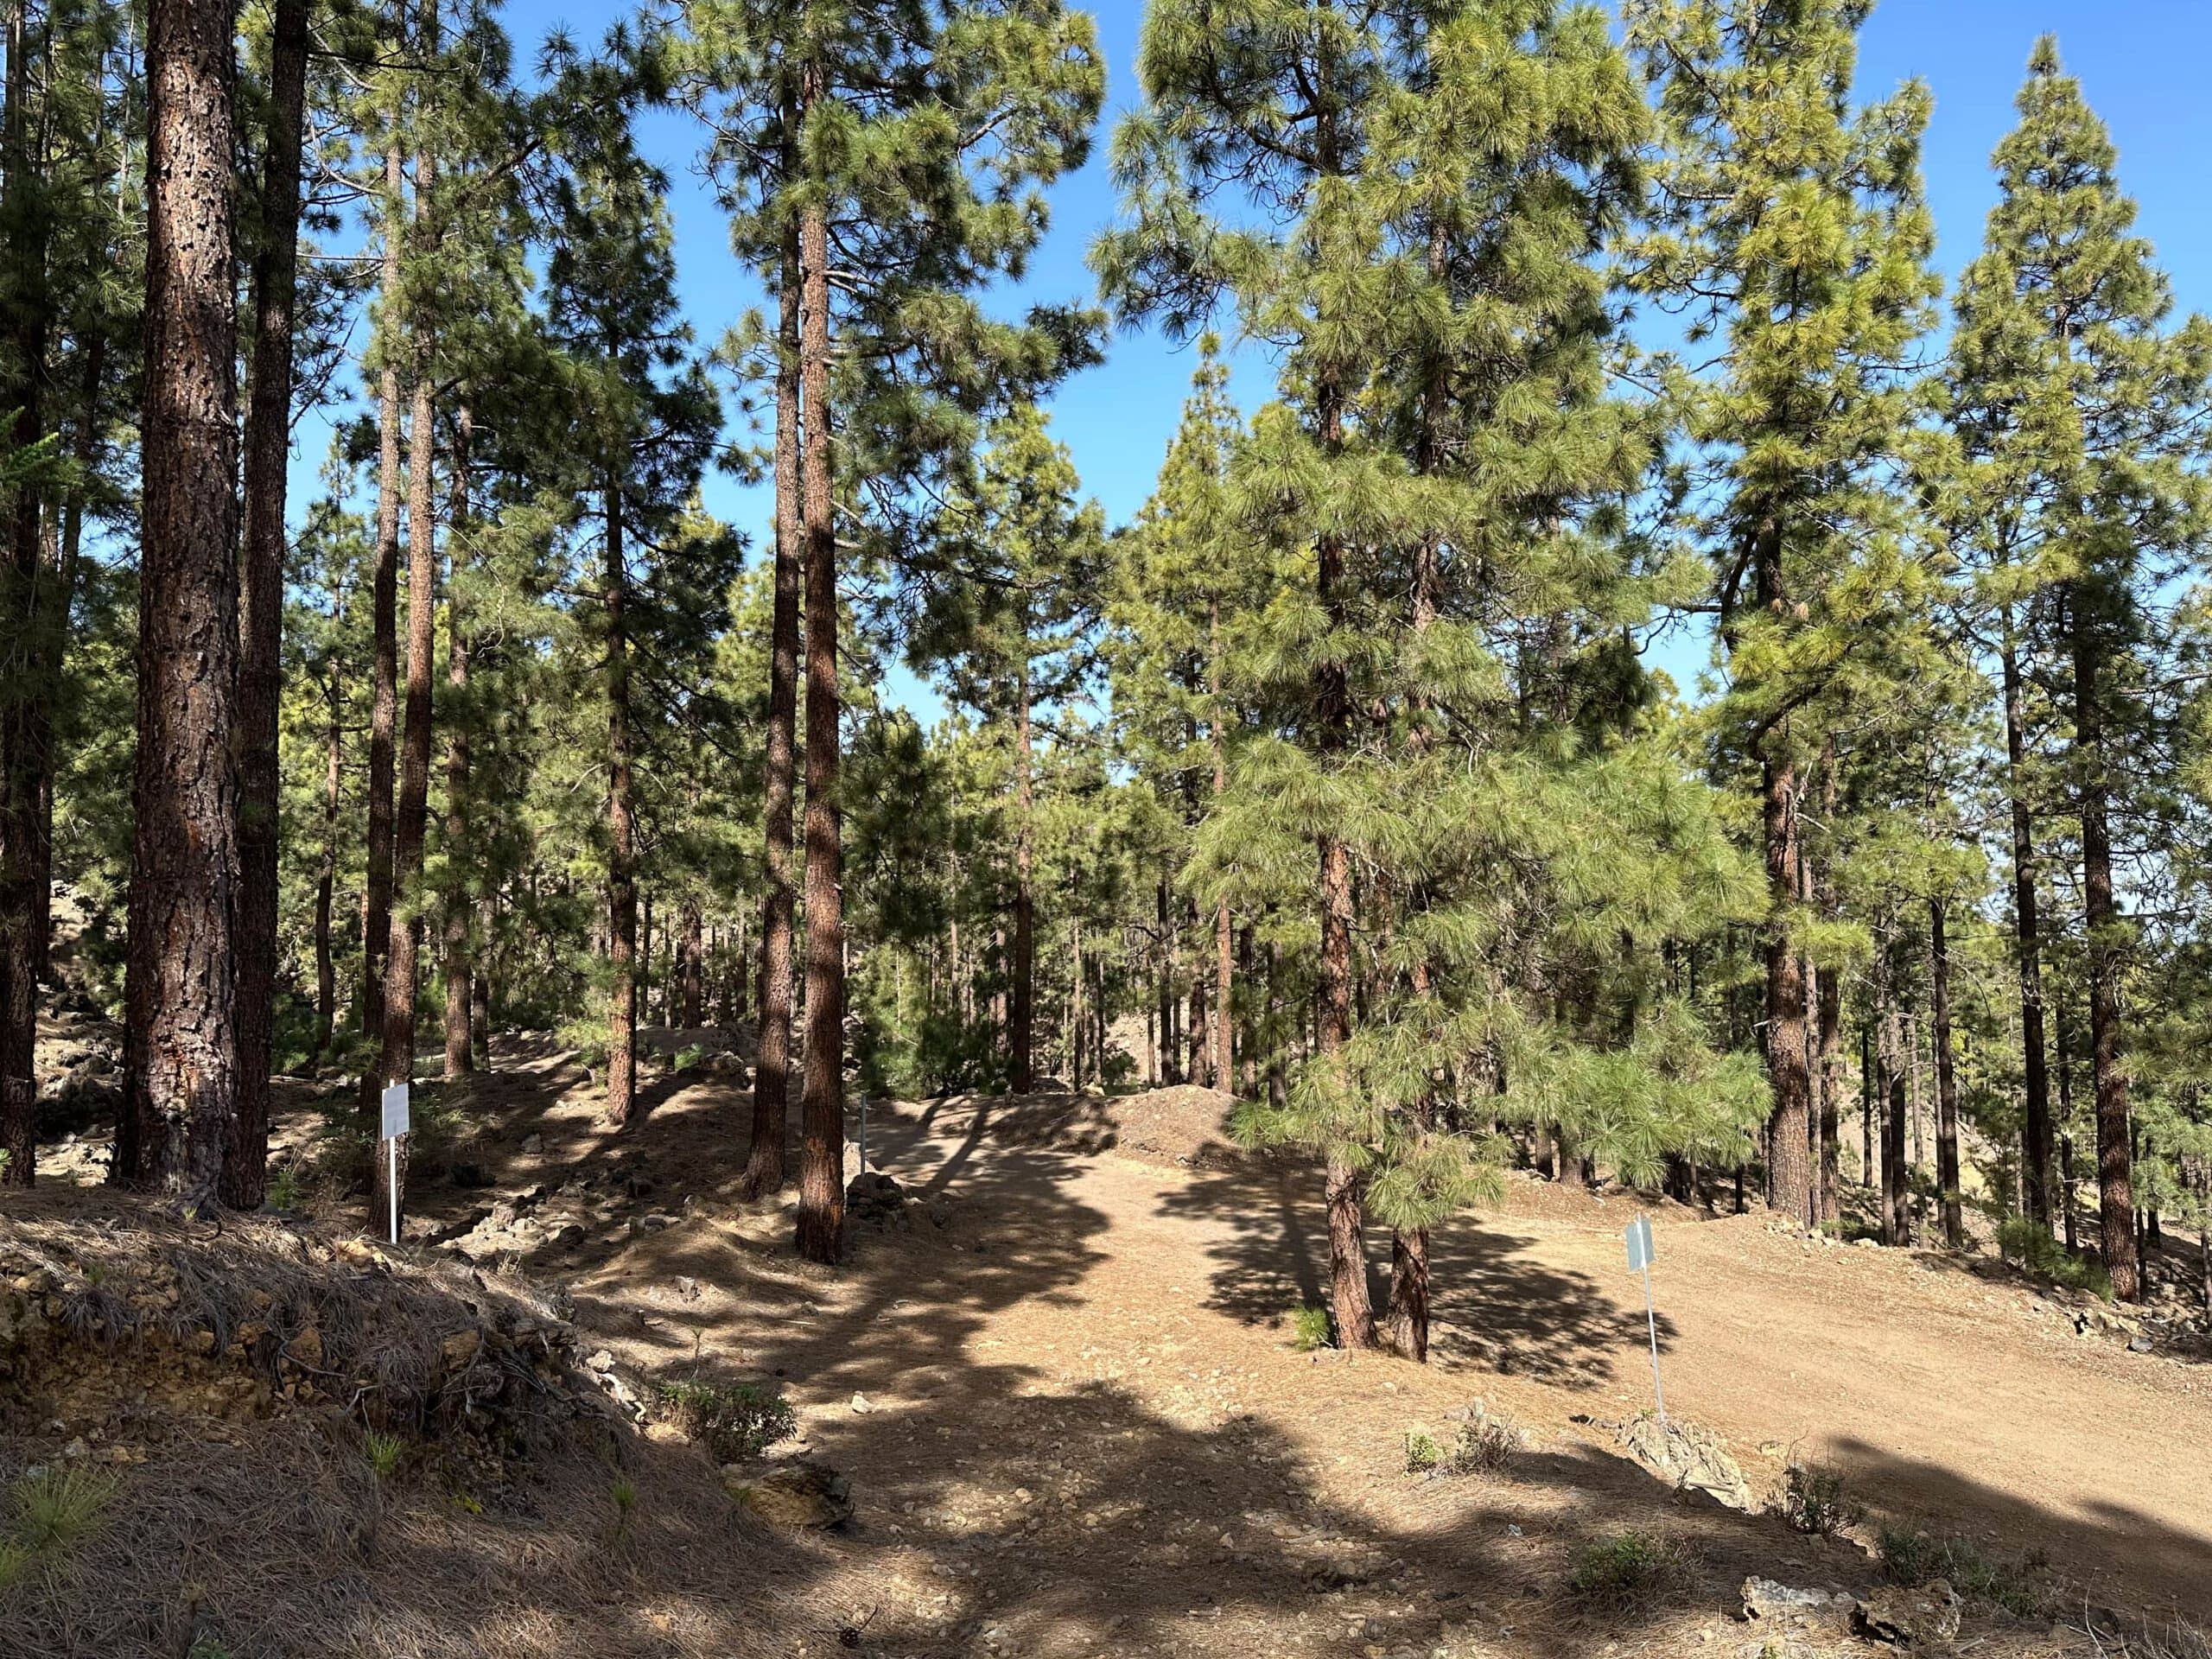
[(1022, 992), (765, 1160), (268, 454), (181, 1034), (411, 818), (821, 1101), (461, 1052), (326, 887), (621, 831)]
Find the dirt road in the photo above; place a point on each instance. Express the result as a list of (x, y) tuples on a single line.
[(1074, 1423)]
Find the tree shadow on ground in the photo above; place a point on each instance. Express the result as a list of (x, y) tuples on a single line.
[(1493, 1306)]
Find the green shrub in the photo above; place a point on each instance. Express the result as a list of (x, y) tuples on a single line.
[(1423, 1452), (1813, 1501), (1632, 1573), (56, 1507), (732, 1420), (2022, 1240), (383, 1453), (1309, 1329), (1910, 1557)]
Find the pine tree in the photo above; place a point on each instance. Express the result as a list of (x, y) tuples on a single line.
[(2079, 417), (180, 1058), (1792, 228), (1008, 615), (268, 453)]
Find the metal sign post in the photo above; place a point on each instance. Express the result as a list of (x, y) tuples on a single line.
[(1638, 1238), (393, 1126)]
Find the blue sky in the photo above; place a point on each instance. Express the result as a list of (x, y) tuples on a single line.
[(2143, 64)]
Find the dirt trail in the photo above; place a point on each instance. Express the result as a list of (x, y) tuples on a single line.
[(1075, 1424)]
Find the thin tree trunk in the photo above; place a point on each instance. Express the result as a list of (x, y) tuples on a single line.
[(1022, 992), (1345, 1186), (268, 453), (765, 1160), (384, 623), (1947, 1081), (822, 1102), (181, 1034), (411, 820), (622, 824), (1224, 1065), (461, 1049), (2027, 940), (326, 887), (2100, 921)]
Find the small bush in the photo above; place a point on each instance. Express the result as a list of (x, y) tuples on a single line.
[(55, 1509), (1485, 1444), (284, 1189), (2022, 1240), (1633, 1573), (1813, 1501), (732, 1421), (383, 1453), (1423, 1452), (688, 1057), (1910, 1557), (1309, 1329)]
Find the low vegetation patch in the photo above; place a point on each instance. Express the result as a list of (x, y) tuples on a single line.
[(1481, 1446), (1816, 1501), (1910, 1556), (1309, 1329), (1633, 1573), (733, 1421), (2028, 1245)]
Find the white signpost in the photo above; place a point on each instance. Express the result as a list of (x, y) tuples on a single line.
[(394, 1126), (1639, 1237)]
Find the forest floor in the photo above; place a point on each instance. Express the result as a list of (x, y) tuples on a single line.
[(1063, 1386)]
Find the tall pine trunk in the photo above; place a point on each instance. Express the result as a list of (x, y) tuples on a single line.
[(181, 1034), (1343, 1185), (325, 885), (1947, 1080), (383, 620), (28, 617), (765, 1160), (2037, 1130), (460, 1049), (268, 454), (1789, 1167), (2100, 920), (621, 825), (411, 818), (822, 1099), (1224, 940), (1022, 993)]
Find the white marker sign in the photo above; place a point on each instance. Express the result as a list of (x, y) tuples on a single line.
[(1638, 1235), (1638, 1238), (395, 1125), (395, 1111)]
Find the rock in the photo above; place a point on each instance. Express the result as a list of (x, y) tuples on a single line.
[(877, 1199), (600, 1361), (459, 1349), (532, 1145), (799, 1493), (2139, 1344), (1924, 1616), (1782, 1604), (1691, 1459)]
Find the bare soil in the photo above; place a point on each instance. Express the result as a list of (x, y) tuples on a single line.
[(1065, 1393)]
